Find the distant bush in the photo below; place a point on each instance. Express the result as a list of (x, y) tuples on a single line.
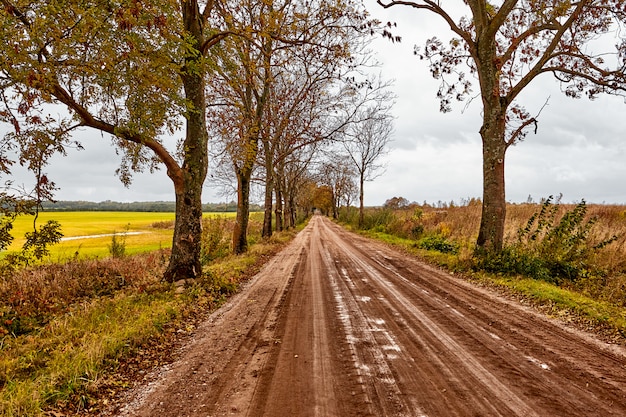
[(349, 215), (378, 220), (166, 224)]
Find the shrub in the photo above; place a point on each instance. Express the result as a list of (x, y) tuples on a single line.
[(215, 238), (349, 215), (549, 248), (165, 224), (117, 248), (378, 219), (439, 243), (30, 296)]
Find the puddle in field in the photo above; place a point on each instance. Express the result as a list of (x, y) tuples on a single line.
[(64, 239)]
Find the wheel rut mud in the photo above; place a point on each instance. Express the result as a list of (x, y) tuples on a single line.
[(338, 325)]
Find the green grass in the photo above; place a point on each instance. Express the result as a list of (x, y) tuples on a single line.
[(76, 224), (600, 313), (64, 358)]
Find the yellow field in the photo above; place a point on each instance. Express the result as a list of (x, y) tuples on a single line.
[(81, 228)]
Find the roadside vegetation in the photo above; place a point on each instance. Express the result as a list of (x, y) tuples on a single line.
[(64, 327), (569, 258)]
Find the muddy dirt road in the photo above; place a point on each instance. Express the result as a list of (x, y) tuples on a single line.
[(336, 325)]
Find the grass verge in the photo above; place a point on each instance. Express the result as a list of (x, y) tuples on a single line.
[(64, 360)]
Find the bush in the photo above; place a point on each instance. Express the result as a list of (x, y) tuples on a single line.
[(30, 296), (439, 243), (215, 238), (550, 249), (117, 248), (378, 219)]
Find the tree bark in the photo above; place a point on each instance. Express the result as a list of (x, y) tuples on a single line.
[(279, 208), (290, 210), (269, 188), (491, 232), (240, 231), (361, 192), (185, 258), (492, 132)]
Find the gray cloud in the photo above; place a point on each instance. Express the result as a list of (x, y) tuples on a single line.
[(579, 148)]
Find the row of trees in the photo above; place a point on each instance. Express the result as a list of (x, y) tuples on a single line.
[(263, 85), (270, 84), (138, 206)]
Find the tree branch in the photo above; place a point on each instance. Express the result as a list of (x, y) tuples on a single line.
[(433, 7), (173, 169), (519, 132), (547, 54)]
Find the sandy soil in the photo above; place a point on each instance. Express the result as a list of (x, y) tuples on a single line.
[(337, 325)]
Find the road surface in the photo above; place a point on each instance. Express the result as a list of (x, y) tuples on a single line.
[(338, 325)]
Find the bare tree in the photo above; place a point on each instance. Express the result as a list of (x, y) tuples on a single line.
[(276, 82), (506, 45), (366, 142)]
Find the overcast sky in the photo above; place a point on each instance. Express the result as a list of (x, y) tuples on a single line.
[(579, 149)]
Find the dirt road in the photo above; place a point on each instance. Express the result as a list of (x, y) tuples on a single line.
[(337, 325)]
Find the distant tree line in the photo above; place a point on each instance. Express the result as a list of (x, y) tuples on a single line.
[(139, 206)]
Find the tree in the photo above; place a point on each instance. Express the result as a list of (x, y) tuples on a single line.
[(338, 173), (322, 199), (396, 203), (130, 69), (506, 46), (276, 82), (245, 71), (366, 141)]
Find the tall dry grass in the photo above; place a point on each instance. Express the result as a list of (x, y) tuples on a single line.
[(460, 224)]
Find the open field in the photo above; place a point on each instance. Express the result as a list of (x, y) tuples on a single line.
[(147, 231)]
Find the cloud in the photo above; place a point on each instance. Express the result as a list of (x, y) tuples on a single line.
[(579, 149)]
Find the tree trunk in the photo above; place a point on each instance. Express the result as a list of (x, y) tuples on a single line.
[(269, 187), (240, 231), (361, 208), (279, 209), (185, 258), (491, 232), (290, 219), (267, 215), (492, 133)]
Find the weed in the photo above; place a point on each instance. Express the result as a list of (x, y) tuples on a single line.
[(215, 238), (439, 243), (550, 248)]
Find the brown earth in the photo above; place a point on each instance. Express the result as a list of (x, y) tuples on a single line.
[(338, 325)]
